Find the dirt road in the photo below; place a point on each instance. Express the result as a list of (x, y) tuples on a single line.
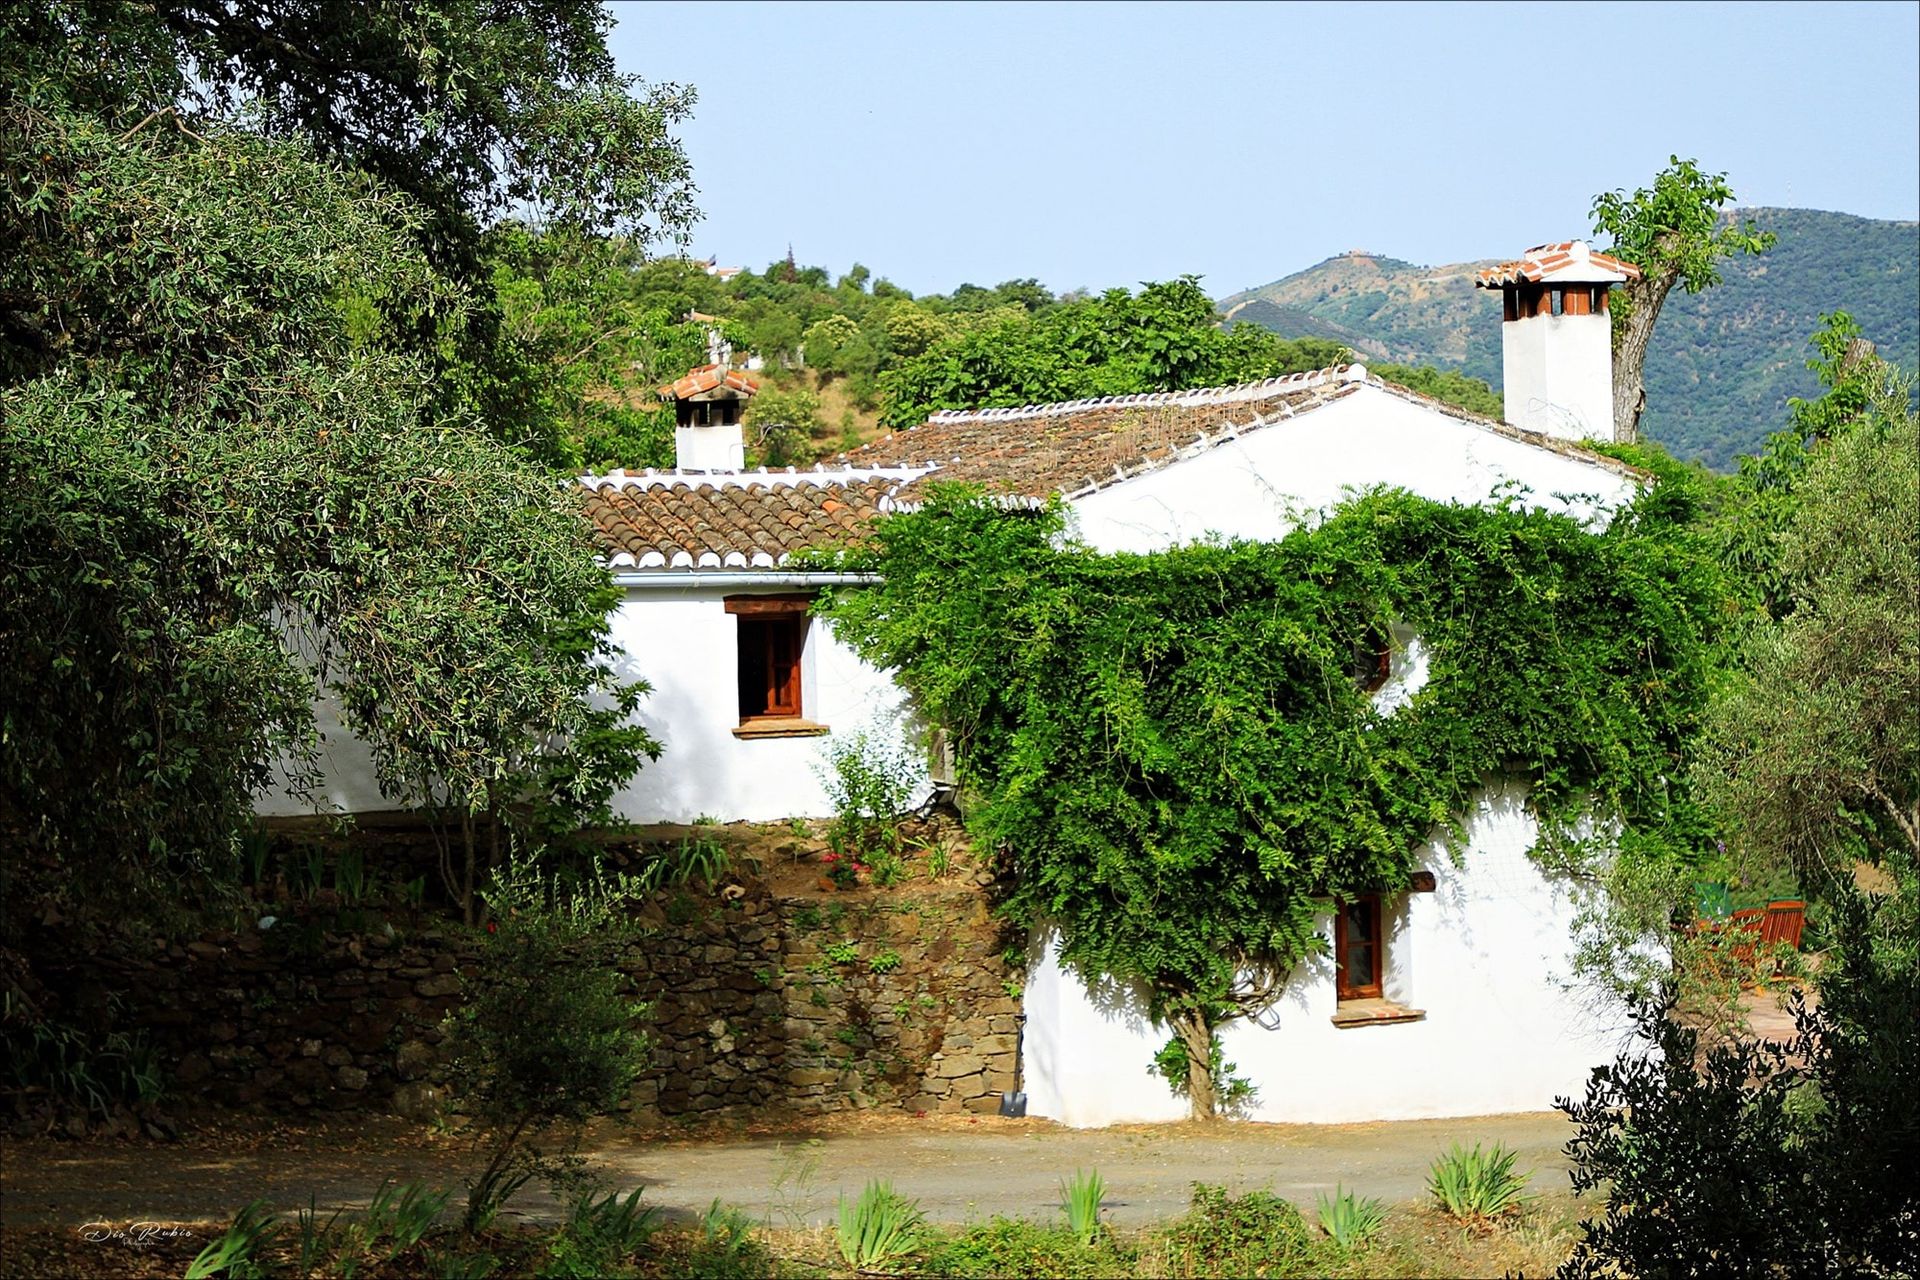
[(958, 1169)]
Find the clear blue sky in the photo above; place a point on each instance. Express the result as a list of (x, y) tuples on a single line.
[(1104, 144)]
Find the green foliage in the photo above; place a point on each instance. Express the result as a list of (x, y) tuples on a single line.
[(600, 1234), (578, 354), (316, 1241), (544, 1033), (880, 1230), (402, 1215), (234, 492), (236, 1254), (1178, 765), (1674, 228), (1253, 1234), (1759, 1158), (886, 960), (869, 776), (1674, 232), (783, 424), (1231, 1091), (1446, 385), (1477, 1187), (1814, 749), (94, 1072), (1080, 1199), (700, 859), (1163, 337), (1350, 1221), (726, 1248), (1724, 369), (1011, 1247)]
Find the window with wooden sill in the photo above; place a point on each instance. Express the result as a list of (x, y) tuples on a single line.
[(772, 643), (1359, 962)]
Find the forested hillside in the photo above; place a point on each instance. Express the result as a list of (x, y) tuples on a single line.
[(1724, 362), (841, 359)]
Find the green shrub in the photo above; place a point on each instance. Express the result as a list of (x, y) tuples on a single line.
[(880, 1229), (544, 1034), (1350, 1222), (869, 777), (1254, 1234), (724, 1248), (700, 859), (1009, 1247), (1080, 1200), (96, 1073), (1767, 1159), (599, 1236), (403, 1215), (1477, 1187), (236, 1254)]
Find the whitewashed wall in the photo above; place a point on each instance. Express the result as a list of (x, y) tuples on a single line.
[(685, 643), (1485, 955), (1250, 488), (347, 780)]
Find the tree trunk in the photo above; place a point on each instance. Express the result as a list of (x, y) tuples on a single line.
[(1196, 1035), (1630, 341), (466, 881)]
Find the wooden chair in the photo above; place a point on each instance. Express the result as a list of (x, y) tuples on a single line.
[(1746, 926), (1784, 922)]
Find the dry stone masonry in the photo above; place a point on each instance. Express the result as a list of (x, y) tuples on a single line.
[(815, 1002)]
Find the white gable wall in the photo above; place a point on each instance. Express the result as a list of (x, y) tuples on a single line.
[(1249, 488)]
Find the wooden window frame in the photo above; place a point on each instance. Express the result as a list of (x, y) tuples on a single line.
[(781, 700), (1374, 987), (1373, 661)]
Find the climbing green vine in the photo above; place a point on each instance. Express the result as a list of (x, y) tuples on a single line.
[(1173, 758)]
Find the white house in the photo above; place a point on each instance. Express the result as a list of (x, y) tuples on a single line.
[(1444, 1001)]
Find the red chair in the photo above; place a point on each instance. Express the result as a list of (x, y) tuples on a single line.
[(1749, 923), (1783, 923)]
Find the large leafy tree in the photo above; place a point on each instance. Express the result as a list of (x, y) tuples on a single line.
[(1178, 768), (1816, 756), (1675, 233), (235, 473), (473, 109)]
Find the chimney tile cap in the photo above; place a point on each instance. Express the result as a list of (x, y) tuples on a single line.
[(1562, 262)]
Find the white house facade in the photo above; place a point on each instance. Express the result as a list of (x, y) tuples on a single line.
[(1468, 1014)]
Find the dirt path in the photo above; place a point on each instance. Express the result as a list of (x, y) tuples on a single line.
[(958, 1169)]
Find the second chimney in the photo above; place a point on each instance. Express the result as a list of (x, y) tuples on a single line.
[(707, 406), (1557, 338)]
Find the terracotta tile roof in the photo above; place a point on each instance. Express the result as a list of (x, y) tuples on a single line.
[(1571, 261), (755, 520), (1078, 446), (708, 377), (739, 520)]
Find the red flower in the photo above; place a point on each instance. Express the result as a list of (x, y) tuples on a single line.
[(492, 927), (829, 857)]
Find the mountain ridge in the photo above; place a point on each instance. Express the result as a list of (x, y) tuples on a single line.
[(1723, 362)]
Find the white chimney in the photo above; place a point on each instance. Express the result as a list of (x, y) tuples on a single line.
[(707, 406), (1557, 338)]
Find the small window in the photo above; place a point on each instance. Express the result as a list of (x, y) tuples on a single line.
[(1372, 660), (773, 636), (1357, 947)]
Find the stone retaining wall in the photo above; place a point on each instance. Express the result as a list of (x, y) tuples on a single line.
[(816, 1002)]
